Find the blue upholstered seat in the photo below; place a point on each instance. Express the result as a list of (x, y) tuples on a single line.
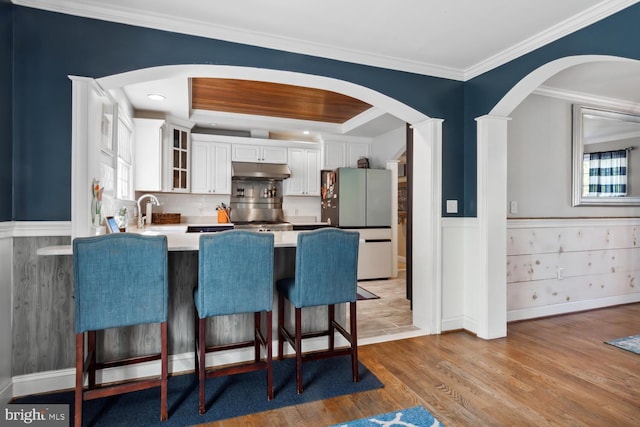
[(235, 275), (326, 274), (119, 280)]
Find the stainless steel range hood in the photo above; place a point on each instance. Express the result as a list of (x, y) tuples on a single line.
[(259, 171)]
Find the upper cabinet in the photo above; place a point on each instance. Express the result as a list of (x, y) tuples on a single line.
[(305, 172), (178, 154), (259, 153), (210, 166), (344, 154), (148, 154)]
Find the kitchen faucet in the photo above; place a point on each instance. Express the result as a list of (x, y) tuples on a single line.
[(153, 201)]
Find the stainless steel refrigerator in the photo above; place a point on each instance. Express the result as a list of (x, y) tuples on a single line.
[(355, 197)]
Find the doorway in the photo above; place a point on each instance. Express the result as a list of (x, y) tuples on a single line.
[(427, 132)]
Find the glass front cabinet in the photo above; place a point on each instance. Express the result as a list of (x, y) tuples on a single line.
[(179, 158)]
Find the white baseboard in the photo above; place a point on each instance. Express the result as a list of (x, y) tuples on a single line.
[(63, 379), (571, 307)]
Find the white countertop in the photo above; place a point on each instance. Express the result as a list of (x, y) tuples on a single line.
[(178, 240)]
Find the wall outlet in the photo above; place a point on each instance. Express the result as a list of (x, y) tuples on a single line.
[(452, 206), (560, 273), (513, 207)]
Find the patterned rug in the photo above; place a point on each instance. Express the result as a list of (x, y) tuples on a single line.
[(630, 343), (412, 417)]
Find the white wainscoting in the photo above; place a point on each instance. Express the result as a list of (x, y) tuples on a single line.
[(559, 266), (459, 268)]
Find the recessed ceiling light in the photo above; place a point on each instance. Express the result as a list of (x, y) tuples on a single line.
[(306, 132), (156, 97), (213, 124)]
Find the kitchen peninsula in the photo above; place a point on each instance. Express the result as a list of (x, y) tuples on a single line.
[(183, 277)]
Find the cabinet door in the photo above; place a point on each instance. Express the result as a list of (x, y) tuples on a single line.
[(210, 168), (148, 154), (355, 152), (199, 167), (246, 153), (312, 175), (178, 169), (295, 183), (274, 154), (334, 155), (221, 168)]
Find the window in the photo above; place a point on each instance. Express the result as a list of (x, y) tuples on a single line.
[(124, 186), (605, 174)]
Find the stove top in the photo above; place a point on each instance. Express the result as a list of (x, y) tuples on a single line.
[(263, 226)]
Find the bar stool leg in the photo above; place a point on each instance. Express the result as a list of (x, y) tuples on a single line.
[(299, 349), (79, 379), (202, 345)]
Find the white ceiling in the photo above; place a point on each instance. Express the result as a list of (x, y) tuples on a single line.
[(457, 39)]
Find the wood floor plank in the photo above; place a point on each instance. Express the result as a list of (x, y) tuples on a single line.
[(554, 371)]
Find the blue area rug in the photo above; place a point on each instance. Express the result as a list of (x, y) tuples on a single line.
[(412, 417), (630, 343), (226, 397)]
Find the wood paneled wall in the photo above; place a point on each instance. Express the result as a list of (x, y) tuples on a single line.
[(43, 310), (556, 266)]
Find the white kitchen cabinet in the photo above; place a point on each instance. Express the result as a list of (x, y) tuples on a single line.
[(177, 176), (356, 151), (259, 153), (344, 154), (305, 172), (210, 167), (148, 154)]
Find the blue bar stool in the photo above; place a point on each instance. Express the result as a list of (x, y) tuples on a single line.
[(235, 275), (326, 274), (119, 280)]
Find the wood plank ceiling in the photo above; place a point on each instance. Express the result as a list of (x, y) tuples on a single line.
[(273, 100)]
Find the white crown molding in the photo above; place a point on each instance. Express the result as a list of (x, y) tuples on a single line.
[(587, 98), (220, 32), (570, 25), (199, 28)]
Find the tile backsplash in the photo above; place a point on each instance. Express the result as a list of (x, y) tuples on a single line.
[(204, 205)]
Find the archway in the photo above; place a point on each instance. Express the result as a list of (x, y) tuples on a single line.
[(492, 198), (427, 139)]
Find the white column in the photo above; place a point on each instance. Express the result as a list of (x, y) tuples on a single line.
[(392, 165), (427, 233), (492, 222)]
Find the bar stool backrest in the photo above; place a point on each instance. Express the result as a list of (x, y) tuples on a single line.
[(120, 280), (235, 273), (326, 267)]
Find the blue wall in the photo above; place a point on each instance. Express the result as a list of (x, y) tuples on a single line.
[(618, 35), (50, 46), (6, 75)]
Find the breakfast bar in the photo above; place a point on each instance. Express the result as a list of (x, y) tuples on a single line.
[(183, 277)]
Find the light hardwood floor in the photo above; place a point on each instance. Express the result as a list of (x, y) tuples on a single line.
[(547, 372)]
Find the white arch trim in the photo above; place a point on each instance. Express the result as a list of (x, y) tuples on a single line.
[(492, 200), (426, 303), (528, 84), (370, 96)]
